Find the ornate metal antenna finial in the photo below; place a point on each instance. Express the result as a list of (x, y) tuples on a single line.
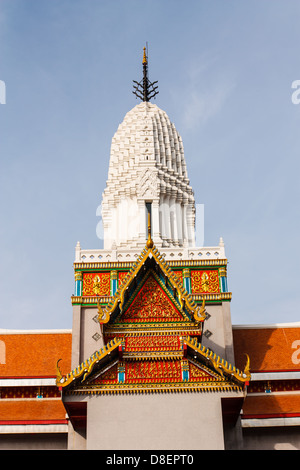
[(145, 90)]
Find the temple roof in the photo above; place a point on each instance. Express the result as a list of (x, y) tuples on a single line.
[(33, 354), (214, 372), (142, 357), (271, 348)]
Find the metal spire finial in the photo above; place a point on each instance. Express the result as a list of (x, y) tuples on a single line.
[(144, 57), (145, 90)]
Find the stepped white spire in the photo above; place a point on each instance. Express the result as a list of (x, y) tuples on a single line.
[(147, 173)]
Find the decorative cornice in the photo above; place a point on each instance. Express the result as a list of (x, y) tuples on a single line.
[(178, 387), (93, 301), (153, 355), (218, 297), (149, 331), (128, 264), (180, 328)]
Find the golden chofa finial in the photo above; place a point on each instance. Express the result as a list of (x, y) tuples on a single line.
[(144, 57)]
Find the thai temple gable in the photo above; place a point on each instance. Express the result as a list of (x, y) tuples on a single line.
[(162, 312), (151, 331), (151, 269)]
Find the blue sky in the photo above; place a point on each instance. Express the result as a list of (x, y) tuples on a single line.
[(225, 70)]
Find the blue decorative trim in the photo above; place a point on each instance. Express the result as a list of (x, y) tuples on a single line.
[(185, 375), (78, 288), (187, 284), (224, 287), (113, 286)]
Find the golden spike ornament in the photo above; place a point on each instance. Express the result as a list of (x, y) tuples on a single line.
[(145, 90), (144, 57), (149, 241)]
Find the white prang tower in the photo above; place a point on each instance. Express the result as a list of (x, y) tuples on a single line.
[(147, 173)]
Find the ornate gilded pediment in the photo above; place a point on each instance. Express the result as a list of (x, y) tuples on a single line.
[(152, 302), (152, 331), (165, 284)]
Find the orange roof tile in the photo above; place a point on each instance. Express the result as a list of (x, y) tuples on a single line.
[(34, 354), (269, 349), (39, 410), (265, 406)]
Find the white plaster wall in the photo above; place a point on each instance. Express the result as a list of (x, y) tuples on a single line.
[(91, 338), (219, 324), (163, 421)]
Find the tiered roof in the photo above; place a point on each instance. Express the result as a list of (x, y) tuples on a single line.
[(153, 331)]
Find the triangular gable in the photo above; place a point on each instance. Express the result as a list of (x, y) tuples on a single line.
[(152, 302), (153, 359), (150, 258)]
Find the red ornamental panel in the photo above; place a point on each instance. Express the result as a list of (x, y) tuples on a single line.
[(199, 375), (151, 305), (96, 284), (205, 282), (121, 276), (153, 371), (152, 343), (179, 276), (108, 377)]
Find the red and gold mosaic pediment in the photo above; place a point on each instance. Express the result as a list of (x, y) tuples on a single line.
[(152, 343), (151, 304)]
